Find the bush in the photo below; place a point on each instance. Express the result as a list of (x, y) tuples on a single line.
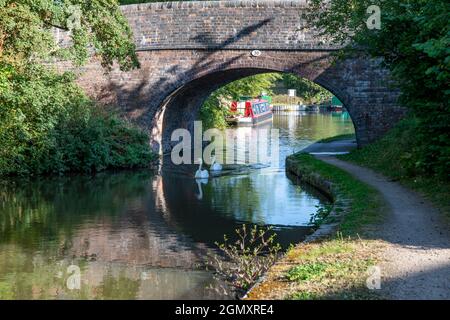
[(401, 153), (213, 112), (404, 154), (247, 259), (48, 125), (102, 142)]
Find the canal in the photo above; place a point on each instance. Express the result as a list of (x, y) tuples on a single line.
[(145, 235)]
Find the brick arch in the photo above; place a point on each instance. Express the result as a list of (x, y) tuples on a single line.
[(180, 108), (184, 98), (183, 45)]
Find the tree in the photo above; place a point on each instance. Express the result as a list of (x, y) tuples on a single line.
[(306, 89), (47, 124), (27, 31), (414, 43)]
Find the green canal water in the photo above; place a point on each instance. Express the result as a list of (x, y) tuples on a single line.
[(145, 235)]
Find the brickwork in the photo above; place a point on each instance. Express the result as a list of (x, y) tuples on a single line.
[(223, 25), (192, 48)]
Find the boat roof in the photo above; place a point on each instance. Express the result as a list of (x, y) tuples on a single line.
[(258, 100)]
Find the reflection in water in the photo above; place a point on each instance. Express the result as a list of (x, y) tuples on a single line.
[(142, 235)]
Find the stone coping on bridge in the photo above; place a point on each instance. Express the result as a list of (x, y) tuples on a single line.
[(215, 4)]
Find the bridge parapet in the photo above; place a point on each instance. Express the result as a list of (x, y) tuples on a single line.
[(234, 25)]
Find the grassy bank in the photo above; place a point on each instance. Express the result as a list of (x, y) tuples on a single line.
[(396, 156), (335, 267), (365, 202)]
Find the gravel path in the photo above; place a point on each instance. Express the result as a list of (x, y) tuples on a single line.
[(416, 260)]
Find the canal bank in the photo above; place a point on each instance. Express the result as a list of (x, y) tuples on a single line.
[(391, 242), (140, 235), (332, 263)]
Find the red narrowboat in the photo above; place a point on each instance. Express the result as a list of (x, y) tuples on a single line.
[(250, 113)]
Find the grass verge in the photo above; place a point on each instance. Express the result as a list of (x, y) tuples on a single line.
[(335, 267), (366, 202)]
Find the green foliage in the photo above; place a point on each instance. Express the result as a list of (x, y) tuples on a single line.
[(306, 271), (414, 42), (26, 31), (398, 155), (216, 107), (365, 201), (214, 110), (250, 86), (309, 91), (302, 295), (103, 142), (322, 270), (397, 152), (334, 268), (47, 125)]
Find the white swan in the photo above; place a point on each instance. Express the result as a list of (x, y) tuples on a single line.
[(199, 196), (215, 166), (201, 174)]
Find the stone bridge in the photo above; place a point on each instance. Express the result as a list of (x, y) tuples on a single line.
[(189, 49)]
